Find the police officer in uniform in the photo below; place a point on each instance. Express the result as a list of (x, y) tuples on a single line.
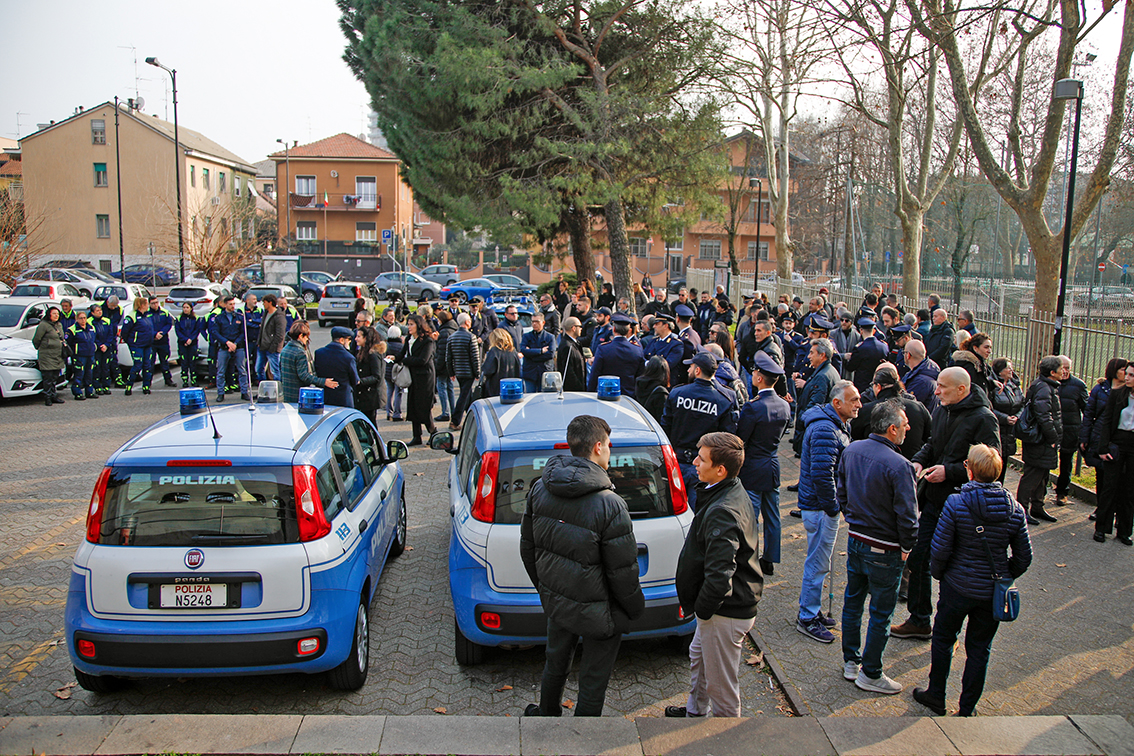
[(866, 355), (898, 337), (106, 350), (699, 407), (162, 322), (253, 317), (761, 426), (619, 356), (112, 311), (188, 328), (817, 329), (82, 339), (685, 329), (669, 348), (603, 331)]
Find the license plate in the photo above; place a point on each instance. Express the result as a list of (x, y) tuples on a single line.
[(339, 305), (194, 596)]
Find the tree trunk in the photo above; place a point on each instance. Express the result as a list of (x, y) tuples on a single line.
[(1047, 251), (734, 264), (619, 250), (579, 230), (911, 255)]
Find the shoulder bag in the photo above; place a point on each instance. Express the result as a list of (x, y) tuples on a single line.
[(1005, 594), (1027, 426), (400, 374)]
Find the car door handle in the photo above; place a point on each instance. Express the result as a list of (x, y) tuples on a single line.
[(643, 550), (362, 526)]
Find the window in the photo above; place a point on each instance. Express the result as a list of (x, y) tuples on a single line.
[(351, 472), (305, 231), (678, 243), (221, 185), (366, 187), (637, 246), (102, 226), (224, 227), (328, 489), (205, 178), (366, 232), (192, 175), (305, 186), (236, 185), (763, 251), (98, 132), (710, 249), (237, 228), (209, 227), (371, 454), (765, 212), (100, 174), (270, 189)]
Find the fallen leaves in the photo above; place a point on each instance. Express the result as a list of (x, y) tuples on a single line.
[(409, 548), (1060, 565), (568, 704), (440, 710), (64, 693), (419, 475), (503, 688), (755, 660)]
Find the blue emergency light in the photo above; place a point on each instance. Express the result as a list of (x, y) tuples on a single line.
[(511, 391), (609, 388), (311, 401), (192, 401)]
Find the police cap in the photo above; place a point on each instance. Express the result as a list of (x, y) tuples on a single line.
[(704, 360), (664, 317), (766, 364), (866, 323), (621, 318), (683, 311), (820, 324)]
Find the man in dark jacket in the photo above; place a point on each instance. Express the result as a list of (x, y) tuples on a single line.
[(1072, 402), (878, 497), (569, 359), (577, 544), (273, 330), (619, 357), (816, 390), (885, 387), (865, 356), (538, 348), (1040, 459), (759, 338), (921, 378), (939, 344), (550, 315), (827, 434), (336, 362), (227, 332), (718, 579), (462, 355), (962, 418)]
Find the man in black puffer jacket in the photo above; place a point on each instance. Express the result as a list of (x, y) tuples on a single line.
[(578, 546), (1040, 459), (1072, 403)]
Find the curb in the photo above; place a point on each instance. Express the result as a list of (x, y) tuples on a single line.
[(794, 697), (1087, 495)]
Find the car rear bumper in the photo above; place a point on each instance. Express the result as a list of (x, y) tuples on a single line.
[(156, 652)]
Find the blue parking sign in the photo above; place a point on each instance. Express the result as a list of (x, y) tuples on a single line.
[(387, 235)]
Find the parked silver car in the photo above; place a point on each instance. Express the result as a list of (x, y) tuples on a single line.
[(409, 285)]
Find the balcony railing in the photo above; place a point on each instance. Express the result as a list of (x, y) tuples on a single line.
[(335, 201)]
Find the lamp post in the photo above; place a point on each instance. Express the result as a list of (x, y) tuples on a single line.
[(1067, 89), (287, 191), (176, 165)]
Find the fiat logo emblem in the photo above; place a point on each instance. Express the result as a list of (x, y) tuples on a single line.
[(194, 558)]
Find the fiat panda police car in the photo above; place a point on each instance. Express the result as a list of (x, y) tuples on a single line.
[(504, 444), (245, 540)]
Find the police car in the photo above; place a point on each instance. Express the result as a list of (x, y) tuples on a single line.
[(504, 445), (248, 540)]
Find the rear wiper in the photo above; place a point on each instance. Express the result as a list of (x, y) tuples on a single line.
[(234, 537), (178, 496)]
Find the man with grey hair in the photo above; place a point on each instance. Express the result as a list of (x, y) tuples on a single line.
[(816, 389), (462, 355), (939, 344), (1042, 400), (877, 495), (965, 322), (826, 435)]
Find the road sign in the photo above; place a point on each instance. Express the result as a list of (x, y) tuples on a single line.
[(721, 264), (1102, 266), (387, 235)]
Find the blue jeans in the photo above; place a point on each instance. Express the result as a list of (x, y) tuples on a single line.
[(766, 504), (445, 394), (690, 479), (267, 359), (393, 400), (952, 609), (822, 529), (879, 573), (224, 357), (531, 387), (143, 366)]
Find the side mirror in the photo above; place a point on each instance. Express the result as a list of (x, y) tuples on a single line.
[(33, 322), (396, 450), (442, 441)]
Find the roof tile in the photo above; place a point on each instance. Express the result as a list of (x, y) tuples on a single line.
[(338, 146)]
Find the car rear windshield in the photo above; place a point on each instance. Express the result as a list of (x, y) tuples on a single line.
[(637, 472), (199, 506), (338, 291), (187, 292), (31, 290)]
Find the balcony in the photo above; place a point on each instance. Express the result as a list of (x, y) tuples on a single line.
[(336, 202)]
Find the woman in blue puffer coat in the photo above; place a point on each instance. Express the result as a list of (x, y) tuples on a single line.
[(959, 560)]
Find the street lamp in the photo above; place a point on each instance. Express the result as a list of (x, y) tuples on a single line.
[(1067, 89), (176, 165), (287, 190)]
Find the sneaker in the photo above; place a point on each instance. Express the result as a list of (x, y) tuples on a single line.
[(679, 711), (814, 629), (129, 390), (909, 630), (827, 620), (883, 684), (851, 670), (921, 695)]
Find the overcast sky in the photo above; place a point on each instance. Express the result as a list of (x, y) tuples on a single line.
[(248, 71)]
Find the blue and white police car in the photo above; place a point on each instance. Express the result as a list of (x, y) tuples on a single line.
[(246, 540), (504, 444)]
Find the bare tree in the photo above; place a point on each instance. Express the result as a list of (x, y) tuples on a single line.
[(1024, 183), (774, 48), (220, 239)]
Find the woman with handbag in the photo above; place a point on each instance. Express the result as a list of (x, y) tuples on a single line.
[(394, 347), (502, 361), (1116, 450), (418, 357), (969, 555), (48, 340), (371, 389)]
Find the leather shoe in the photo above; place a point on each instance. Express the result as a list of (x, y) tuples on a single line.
[(793, 487), (1100, 537), (795, 513), (532, 710), (766, 567), (1125, 541), (1031, 520), (1042, 514), (415, 442), (921, 695), (679, 711)]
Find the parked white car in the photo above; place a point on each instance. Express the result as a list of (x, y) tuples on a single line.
[(201, 296), (19, 371), (20, 315)]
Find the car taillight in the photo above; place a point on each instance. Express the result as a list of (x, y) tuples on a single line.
[(204, 300), (98, 503), (677, 491), (86, 648), (484, 505), (490, 620), (308, 507), (307, 646)]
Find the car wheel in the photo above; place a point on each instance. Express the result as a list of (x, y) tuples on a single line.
[(351, 674), (469, 654), (680, 643), (99, 684), (401, 531), (322, 323), (462, 296), (87, 293), (309, 297), (450, 282)]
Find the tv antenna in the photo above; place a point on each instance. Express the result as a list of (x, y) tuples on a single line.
[(134, 50)]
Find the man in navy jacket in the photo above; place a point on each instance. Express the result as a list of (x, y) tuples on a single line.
[(227, 332), (335, 361), (538, 348), (877, 494), (619, 356)]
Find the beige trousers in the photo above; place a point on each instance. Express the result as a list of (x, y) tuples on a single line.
[(714, 664)]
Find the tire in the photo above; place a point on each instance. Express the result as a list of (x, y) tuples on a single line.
[(322, 323), (462, 296), (309, 297), (99, 684), (351, 674), (680, 643), (87, 293), (469, 654), (450, 282), (401, 531)]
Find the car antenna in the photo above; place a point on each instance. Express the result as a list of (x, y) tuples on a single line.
[(247, 357), (209, 409)]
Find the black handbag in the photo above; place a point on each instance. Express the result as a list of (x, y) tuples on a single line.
[(1005, 594), (1027, 426)]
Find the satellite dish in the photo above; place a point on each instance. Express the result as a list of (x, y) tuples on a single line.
[(334, 174), (139, 102)]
